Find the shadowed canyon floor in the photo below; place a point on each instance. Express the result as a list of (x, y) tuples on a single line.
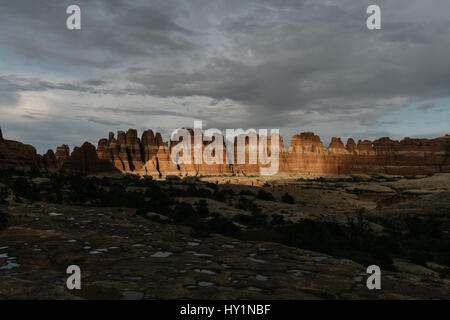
[(127, 254), (124, 256)]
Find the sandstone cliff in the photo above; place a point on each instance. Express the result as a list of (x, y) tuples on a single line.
[(17, 155), (306, 155), (84, 160), (150, 155)]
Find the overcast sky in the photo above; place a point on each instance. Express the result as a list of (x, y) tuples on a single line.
[(296, 65)]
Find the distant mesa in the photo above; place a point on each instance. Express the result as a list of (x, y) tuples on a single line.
[(125, 152)]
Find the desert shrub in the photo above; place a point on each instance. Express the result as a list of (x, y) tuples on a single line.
[(255, 210), (223, 226), (229, 192), (443, 258), (25, 189), (246, 193), (244, 203), (420, 257), (5, 174), (191, 191), (54, 197), (422, 228), (202, 209), (200, 229), (134, 200), (218, 225), (277, 219), (3, 220), (204, 193), (287, 198), (222, 195), (156, 218), (141, 211), (184, 213), (331, 238), (421, 240), (83, 190), (264, 195), (35, 172), (254, 221), (219, 196), (213, 186), (160, 202), (3, 193)]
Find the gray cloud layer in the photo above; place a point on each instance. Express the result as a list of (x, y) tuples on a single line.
[(284, 63)]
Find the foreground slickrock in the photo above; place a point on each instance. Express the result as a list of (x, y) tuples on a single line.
[(124, 256)]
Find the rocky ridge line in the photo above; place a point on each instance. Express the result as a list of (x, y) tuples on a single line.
[(150, 155)]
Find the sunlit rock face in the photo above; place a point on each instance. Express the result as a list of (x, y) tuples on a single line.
[(151, 155)]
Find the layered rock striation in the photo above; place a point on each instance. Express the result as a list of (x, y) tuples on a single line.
[(17, 155), (126, 152)]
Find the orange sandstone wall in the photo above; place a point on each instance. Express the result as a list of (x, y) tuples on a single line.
[(150, 155), (306, 155)]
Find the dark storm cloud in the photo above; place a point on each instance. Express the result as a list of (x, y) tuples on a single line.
[(111, 31), (147, 112), (8, 92), (27, 116), (285, 62), (320, 58), (11, 85), (108, 123)]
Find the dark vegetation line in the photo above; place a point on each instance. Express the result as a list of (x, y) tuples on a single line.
[(420, 241)]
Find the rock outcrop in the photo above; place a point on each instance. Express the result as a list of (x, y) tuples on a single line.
[(17, 155), (84, 160), (62, 154), (49, 160), (150, 155)]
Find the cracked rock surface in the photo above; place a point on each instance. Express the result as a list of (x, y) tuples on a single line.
[(124, 256)]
